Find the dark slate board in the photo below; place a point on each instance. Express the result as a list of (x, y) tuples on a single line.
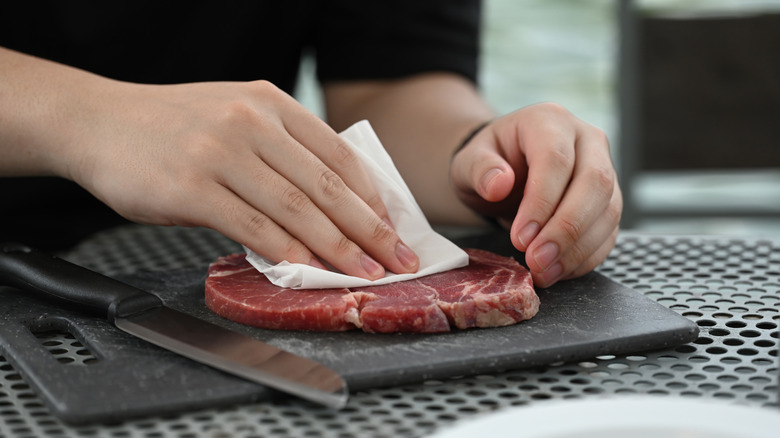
[(578, 319)]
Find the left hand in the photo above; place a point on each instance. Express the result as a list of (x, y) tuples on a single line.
[(549, 177)]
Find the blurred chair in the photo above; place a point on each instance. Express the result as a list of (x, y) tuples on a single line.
[(699, 100)]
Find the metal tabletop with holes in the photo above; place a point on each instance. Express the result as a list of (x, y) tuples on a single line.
[(729, 287)]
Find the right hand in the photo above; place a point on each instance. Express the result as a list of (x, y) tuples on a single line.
[(549, 175), (245, 159)]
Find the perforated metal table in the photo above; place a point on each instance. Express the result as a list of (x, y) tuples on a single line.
[(729, 287)]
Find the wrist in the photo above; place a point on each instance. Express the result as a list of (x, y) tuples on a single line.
[(470, 136), (85, 104)]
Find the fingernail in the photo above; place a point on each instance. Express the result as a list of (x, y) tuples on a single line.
[(488, 177), (553, 273), (371, 266), (527, 234), (407, 257), (546, 255)]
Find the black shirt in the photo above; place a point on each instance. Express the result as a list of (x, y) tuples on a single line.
[(172, 42)]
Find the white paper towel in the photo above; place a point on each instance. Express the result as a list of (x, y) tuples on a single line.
[(436, 253)]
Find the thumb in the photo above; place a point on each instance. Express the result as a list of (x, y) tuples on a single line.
[(480, 173)]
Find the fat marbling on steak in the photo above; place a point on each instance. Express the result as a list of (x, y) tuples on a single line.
[(492, 291)]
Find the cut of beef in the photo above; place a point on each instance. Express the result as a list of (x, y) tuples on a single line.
[(237, 291), (491, 291)]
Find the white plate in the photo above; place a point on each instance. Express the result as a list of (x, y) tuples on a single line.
[(634, 417)]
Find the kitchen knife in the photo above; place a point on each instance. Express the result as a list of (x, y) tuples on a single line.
[(143, 314)]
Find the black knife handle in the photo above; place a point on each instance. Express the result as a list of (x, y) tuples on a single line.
[(36, 271)]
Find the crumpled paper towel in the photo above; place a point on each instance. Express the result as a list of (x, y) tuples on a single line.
[(436, 253)]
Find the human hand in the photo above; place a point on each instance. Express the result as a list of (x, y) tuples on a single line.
[(242, 158), (549, 177)]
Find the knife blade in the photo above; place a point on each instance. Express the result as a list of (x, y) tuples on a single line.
[(144, 315)]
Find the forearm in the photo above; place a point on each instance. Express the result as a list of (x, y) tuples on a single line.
[(420, 120), (38, 104)]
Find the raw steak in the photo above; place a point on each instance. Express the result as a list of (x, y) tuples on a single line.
[(491, 291)]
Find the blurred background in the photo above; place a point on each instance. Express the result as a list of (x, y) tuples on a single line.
[(688, 92)]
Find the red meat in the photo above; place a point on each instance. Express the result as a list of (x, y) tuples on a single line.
[(491, 291)]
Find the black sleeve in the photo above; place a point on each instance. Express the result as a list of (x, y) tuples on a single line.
[(391, 39)]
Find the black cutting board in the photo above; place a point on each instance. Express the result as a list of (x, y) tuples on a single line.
[(578, 319)]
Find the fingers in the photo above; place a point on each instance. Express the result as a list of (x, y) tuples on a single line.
[(579, 259), (259, 232), (319, 210), (305, 178), (597, 257), (338, 156), (567, 227), (551, 157), (485, 174), (484, 179)]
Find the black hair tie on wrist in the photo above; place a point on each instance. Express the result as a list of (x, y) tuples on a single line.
[(470, 136), (493, 222)]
